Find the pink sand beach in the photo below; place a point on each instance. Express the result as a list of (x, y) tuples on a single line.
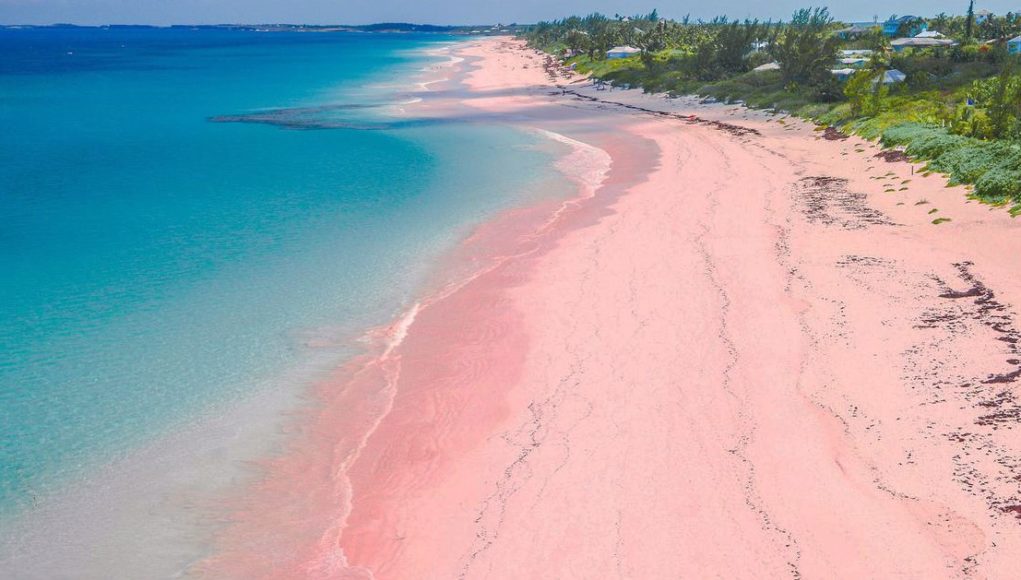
[(742, 350)]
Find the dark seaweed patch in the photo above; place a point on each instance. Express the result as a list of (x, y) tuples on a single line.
[(892, 156), (729, 128), (827, 201), (833, 134)]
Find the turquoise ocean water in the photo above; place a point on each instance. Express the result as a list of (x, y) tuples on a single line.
[(183, 209)]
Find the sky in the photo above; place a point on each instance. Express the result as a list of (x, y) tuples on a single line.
[(163, 12)]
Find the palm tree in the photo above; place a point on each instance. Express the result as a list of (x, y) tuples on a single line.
[(970, 22)]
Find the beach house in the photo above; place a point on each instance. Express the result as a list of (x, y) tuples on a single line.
[(767, 67), (982, 15), (893, 25), (1014, 45), (901, 44), (890, 77), (854, 62), (893, 76), (621, 52), (842, 74), (857, 29)]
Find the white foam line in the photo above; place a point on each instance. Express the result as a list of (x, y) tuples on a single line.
[(331, 559), (595, 164), (586, 165), (400, 330), (596, 161), (425, 85)]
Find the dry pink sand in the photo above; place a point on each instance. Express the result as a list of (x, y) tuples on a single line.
[(732, 355)]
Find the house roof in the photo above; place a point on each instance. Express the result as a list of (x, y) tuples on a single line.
[(1015, 39), (930, 34), (893, 76), (857, 29), (624, 49), (767, 66), (922, 42)]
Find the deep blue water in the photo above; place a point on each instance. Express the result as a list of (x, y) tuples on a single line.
[(155, 263)]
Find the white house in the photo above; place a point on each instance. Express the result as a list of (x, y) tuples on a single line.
[(1014, 45), (917, 42), (857, 30), (930, 34), (768, 66), (842, 74), (621, 52), (893, 76)]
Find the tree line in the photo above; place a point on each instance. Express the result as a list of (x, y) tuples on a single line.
[(705, 50), (806, 48)]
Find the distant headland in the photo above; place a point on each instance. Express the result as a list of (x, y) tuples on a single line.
[(386, 27)]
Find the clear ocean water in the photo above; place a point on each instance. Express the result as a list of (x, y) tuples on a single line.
[(183, 210)]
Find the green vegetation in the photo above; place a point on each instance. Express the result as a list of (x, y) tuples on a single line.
[(958, 108)]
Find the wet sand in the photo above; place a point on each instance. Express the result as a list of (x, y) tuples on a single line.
[(743, 350)]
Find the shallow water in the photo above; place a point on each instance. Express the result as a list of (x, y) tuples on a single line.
[(161, 265)]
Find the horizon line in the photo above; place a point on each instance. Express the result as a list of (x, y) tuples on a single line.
[(214, 24), (309, 25)]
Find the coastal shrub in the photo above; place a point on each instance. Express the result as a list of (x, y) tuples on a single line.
[(902, 134), (994, 167), (672, 81), (868, 127), (999, 184), (922, 141), (972, 122), (1009, 160), (964, 164), (814, 111), (898, 111), (1000, 95), (933, 143), (626, 76), (921, 63), (836, 114), (864, 94), (758, 90)]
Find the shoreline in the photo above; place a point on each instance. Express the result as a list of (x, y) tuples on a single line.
[(749, 354), (515, 235), (739, 349), (186, 510)]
